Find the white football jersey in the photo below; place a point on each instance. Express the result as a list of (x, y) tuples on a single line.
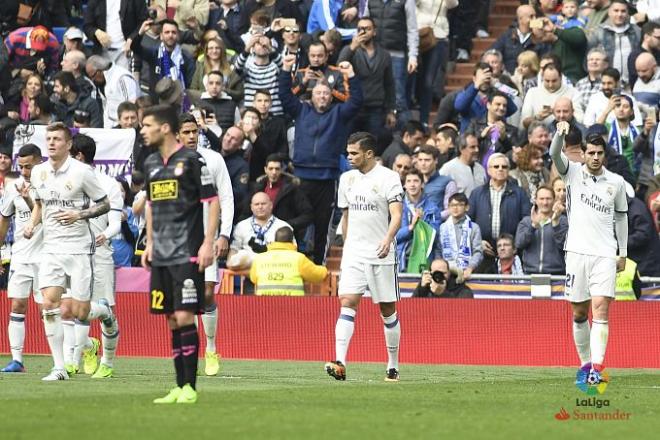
[(222, 182), (367, 198), (23, 250), (73, 187), (112, 218), (590, 205)]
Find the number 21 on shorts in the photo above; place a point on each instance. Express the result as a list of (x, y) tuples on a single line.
[(570, 279), (157, 297)]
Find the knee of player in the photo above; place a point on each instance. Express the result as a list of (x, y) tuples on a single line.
[(19, 306), (387, 309), (349, 301)]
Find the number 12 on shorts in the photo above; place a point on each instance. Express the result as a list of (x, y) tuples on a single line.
[(157, 297)]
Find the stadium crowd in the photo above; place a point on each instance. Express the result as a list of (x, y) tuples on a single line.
[(277, 86)]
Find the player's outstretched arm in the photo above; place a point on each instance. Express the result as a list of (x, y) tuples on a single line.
[(558, 157)]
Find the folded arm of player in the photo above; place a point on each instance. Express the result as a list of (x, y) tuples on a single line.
[(558, 157)]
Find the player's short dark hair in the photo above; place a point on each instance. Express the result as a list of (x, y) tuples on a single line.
[(284, 235), (185, 118), (60, 126), (85, 145), (612, 73), (364, 140), (43, 103), (506, 236), (265, 92), (66, 79), (429, 149), (164, 114), (29, 150), (573, 137), (126, 106), (458, 197), (412, 127), (415, 172), (547, 188), (594, 139)]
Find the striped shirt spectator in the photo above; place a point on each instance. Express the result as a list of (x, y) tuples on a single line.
[(259, 71), (26, 46)]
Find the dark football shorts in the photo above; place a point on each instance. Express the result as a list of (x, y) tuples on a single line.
[(177, 287)]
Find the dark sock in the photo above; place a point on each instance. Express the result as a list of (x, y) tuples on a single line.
[(177, 355), (190, 352)]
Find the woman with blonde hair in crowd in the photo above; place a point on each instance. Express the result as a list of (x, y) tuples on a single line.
[(526, 72), (214, 58), (531, 172)]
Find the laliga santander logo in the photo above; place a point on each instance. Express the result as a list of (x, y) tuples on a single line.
[(562, 415), (587, 381)]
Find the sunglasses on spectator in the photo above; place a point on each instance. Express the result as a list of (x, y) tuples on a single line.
[(497, 167), (292, 30)]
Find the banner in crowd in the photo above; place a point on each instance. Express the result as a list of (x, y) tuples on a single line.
[(114, 147)]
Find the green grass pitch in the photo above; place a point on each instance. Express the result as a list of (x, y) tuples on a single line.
[(297, 400)]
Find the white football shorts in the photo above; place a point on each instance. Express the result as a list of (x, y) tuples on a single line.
[(589, 275), (104, 281), (380, 279), (67, 270), (23, 280)]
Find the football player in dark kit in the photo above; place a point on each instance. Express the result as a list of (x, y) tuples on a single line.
[(178, 248)]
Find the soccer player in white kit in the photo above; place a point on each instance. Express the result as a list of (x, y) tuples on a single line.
[(24, 270), (370, 197), (189, 135), (64, 189), (104, 227), (596, 244)]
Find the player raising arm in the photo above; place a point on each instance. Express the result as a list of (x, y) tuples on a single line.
[(595, 245)]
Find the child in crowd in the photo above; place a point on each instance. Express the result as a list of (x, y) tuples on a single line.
[(525, 75), (569, 17)]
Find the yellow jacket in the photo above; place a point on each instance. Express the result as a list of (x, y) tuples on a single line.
[(282, 270)]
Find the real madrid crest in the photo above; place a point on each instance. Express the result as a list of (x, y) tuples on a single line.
[(610, 191), (68, 186), (178, 170), (44, 175)]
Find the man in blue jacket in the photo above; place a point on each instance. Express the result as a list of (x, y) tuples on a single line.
[(498, 206), (321, 134)]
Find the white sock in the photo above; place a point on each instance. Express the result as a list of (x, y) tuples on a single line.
[(344, 332), (210, 322), (97, 310), (55, 335), (16, 331), (110, 338), (599, 333), (69, 341), (83, 342), (392, 337), (581, 335)]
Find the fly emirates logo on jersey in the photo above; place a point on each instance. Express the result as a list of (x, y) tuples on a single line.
[(595, 202), (56, 199), (362, 204)]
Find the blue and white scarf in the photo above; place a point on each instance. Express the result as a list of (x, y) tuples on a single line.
[(614, 140), (260, 231), (171, 65), (451, 249), (516, 267)]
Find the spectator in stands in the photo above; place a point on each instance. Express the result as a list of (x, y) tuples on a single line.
[(75, 61), (114, 84), (231, 20), (112, 26), (540, 236), (319, 124), (402, 165), (569, 16), (292, 45), (646, 88), (40, 109), (498, 206), (598, 14), (251, 235), (319, 70), (273, 135), (643, 241), (216, 101), (563, 111), (526, 72), (188, 14), (442, 282), (259, 71), (647, 148), (459, 240), (559, 187), (15, 109), (590, 84), (617, 36), (68, 100), (610, 89), (237, 166), (215, 60), (72, 40), (289, 202), (437, 187), (531, 173), (465, 170), (614, 161), (621, 131), (411, 137), (507, 262), (463, 23), (167, 59), (33, 49), (282, 270), (445, 140), (330, 14), (416, 206), (471, 101), (493, 133), (399, 36), (537, 135), (570, 45), (540, 100), (517, 38), (650, 44), (373, 65)]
